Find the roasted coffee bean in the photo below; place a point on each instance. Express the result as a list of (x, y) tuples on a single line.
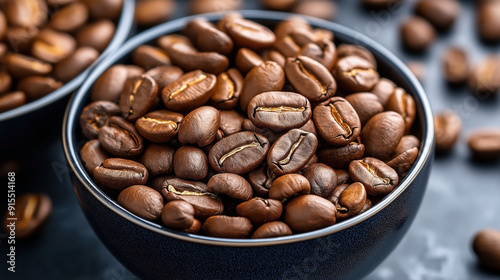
[(118, 174), (97, 34), (165, 75), (366, 105), (403, 104), (488, 20), (36, 87), (20, 39), (168, 40), (272, 229), (323, 51), (26, 13), (334, 197), (289, 185), (260, 210), (92, 155), (190, 163), (20, 65), (12, 100), (279, 111), (105, 8), (417, 34), (249, 34), (311, 78), (227, 227), (69, 18), (382, 134), (189, 59), (303, 36), (153, 12), (322, 179), (340, 157), (209, 6), (286, 27), (110, 84), (442, 14), (120, 138), (53, 46), (204, 203), (178, 214), (291, 151), (287, 46), (377, 177), (383, 90), (3, 30), (455, 65), (486, 245), (484, 78), (355, 74), (159, 126), (231, 185), (148, 57), (309, 212), (227, 90), (142, 201), (345, 50), (70, 67), (279, 5), (239, 153), (351, 201), (403, 162), (199, 126), (261, 180), (368, 205), (247, 59), (5, 82), (32, 212), (268, 76), (342, 176), (317, 8), (407, 142), (137, 97), (447, 128), (312, 161), (231, 122), (417, 68), (190, 91), (159, 159), (336, 121), (269, 134), (310, 127), (195, 228), (485, 144), (207, 38), (276, 56)]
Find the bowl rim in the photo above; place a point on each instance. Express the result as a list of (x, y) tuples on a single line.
[(123, 28), (71, 119)]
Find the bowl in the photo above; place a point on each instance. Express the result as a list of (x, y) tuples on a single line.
[(41, 118), (348, 250)]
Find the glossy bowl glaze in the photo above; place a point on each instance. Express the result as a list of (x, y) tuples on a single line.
[(42, 117), (348, 250)]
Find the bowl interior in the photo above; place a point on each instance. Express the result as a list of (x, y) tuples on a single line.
[(389, 66), (123, 28)]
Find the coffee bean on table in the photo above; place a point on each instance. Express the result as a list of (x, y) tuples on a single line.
[(260, 210), (417, 68), (486, 245), (380, 4), (355, 74), (382, 134), (209, 6), (336, 121), (159, 126), (442, 14), (351, 201), (323, 9), (279, 5), (231, 185), (485, 144), (309, 212), (279, 111), (485, 77), (199, 126), (455, 65), (272, 229), (311, 78), (142, 201), (291, 151), (120, 138), (322, 179), (447, 127), (32, 212), (118, 174), (239, 153), (178, 214), (377, 177), (488, 20), (417, 34)]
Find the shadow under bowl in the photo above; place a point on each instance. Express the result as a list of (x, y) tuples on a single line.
[(348, 250), (41, 118)]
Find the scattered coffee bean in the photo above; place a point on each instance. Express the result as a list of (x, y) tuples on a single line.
[(488, 20), (317, 8), (447, 127), (486, 245), (455, 65), (484, 78), (417, 34), (442, 14), (485, 144)]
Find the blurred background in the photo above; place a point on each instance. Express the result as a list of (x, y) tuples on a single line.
[(461, 199)]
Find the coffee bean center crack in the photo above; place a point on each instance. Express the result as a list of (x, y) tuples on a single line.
[(187, 85)]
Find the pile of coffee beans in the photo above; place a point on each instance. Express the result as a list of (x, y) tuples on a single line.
[(44, 44), (233, 130)]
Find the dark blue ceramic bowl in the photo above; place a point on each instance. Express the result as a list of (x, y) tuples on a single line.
[(347, 250), (38, 118)]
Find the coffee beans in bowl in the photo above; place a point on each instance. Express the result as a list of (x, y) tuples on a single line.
[(232, 145), (168, 123)]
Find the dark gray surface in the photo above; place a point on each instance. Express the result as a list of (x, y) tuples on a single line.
[(461, 199)]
